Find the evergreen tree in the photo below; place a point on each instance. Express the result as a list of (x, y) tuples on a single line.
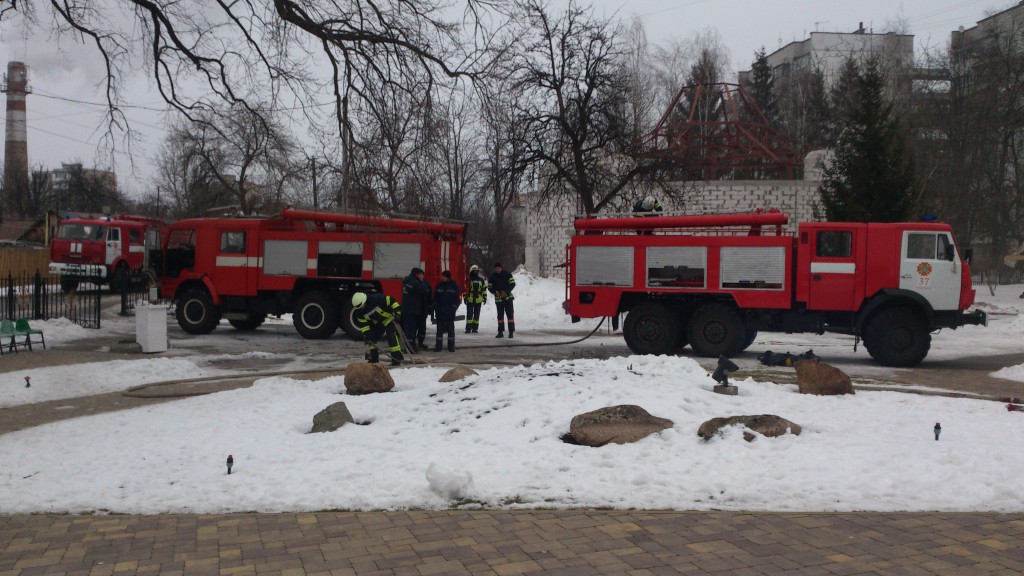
[(871, 176), (762, 86)]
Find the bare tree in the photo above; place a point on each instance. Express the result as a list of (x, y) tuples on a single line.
[(389, 137), (247, 152), (978, 180), (579, 135), (205, 56)]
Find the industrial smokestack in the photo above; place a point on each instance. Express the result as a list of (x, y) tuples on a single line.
[(16, 150)]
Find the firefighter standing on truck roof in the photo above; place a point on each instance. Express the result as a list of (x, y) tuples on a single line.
[(476, 296), (501, 283), (378, 317), (415, 298)]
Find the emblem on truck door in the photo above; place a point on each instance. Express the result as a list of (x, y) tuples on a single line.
[(924, 268)]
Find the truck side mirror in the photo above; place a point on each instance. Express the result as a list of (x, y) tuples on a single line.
[(968, 254), (950, 252)]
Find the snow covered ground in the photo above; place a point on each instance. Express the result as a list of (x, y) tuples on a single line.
[(494, 439)]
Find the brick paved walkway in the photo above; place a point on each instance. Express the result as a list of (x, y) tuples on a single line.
[(513, 542)]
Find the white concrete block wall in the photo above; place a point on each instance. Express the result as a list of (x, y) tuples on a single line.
[(549, 226)]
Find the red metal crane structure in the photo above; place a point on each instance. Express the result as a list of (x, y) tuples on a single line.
[(716, 131)]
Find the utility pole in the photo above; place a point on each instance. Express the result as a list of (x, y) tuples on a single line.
[(316, 194)]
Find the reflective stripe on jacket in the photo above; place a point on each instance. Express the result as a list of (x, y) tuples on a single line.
[(501, 285), (477, 293)]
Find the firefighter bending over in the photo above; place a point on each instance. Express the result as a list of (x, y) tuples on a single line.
[(378, 317)]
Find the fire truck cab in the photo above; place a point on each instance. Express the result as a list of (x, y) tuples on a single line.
[(102, 250), (712, 282), (304, 263)]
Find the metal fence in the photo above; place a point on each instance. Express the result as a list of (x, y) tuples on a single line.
[(40, 297), (136, 286), (998, 276)]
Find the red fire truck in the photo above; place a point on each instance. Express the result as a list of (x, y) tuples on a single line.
[(305, 263), (103, 249), (714, 281)]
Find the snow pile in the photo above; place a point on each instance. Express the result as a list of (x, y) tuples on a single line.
[(497, 435)]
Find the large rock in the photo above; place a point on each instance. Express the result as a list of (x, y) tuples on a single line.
[(457, 373), (768, 425), (618, 424), (815, 377), (366, 378), (331, 418)]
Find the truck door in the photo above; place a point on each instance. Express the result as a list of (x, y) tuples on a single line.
[(232, 263), (930, 266), (113, 245), (833, 270)]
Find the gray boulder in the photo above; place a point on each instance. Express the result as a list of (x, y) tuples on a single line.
[(365, 378), (815, 377), (618, 424), (331, 418), (457, 373), (768, 425)]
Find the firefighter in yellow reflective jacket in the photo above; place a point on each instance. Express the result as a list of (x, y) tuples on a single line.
[(475, 297), (376, 316)]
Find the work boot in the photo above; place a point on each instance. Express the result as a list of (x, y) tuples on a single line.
[(500, 335), (374, 356), (438, 347), (396, 358)]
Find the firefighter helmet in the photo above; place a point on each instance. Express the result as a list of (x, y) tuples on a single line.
[(358, 299), (649, 203), (474, 268)]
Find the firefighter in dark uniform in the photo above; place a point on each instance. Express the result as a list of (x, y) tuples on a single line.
[(476, 296), (378, 316), (415, 298), (447, 298), (501, 283)]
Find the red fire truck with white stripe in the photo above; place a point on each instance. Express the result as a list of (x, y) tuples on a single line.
[(102, 250), (713, 281), (304, 263)]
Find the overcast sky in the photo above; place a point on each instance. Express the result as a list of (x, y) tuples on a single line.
[(65, 121)]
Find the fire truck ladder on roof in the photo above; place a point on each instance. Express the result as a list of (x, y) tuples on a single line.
[(374, 221)]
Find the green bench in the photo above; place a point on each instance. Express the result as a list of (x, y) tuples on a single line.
[(18, 334)]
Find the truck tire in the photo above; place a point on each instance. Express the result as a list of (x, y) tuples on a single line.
[(117, 279), (348, 319), (716, 330), (68, 283), (196, 313), (252, 322), (650, 328), (897, 337), (316, 316), (751, 335)]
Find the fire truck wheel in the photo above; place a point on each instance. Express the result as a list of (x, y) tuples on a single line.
[(316, 316), (117, 279), (68, 284), (716, 330), (196, 313), (897, 337), (251, 322), (651, 328), (751, 335), (348, 321)]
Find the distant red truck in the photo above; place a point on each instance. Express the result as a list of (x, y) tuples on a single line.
[(102, 250), (304, 263), (713, 281)]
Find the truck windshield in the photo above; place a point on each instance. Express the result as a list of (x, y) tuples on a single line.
[(81, 232)]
